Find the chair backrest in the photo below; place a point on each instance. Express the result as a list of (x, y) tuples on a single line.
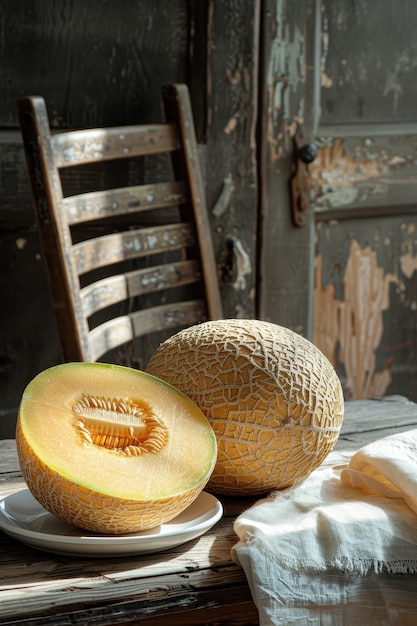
[(128, 260)]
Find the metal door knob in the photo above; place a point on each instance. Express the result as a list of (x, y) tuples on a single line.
[(308, 153)]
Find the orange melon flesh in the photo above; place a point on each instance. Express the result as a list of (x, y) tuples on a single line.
[(274, 400), (112, 449)]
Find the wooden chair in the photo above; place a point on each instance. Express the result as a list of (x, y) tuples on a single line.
[(127, 261)]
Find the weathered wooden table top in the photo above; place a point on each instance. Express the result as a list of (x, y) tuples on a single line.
[(194, 584)]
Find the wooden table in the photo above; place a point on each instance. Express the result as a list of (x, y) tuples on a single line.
[(194, 584)]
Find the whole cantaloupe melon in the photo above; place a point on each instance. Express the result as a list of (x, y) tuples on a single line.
[(273, 399), (111, 449)]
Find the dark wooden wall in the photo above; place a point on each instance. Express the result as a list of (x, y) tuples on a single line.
[(260, 72), (103, 62)]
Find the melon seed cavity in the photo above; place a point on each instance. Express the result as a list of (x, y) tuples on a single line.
[(128, 428)]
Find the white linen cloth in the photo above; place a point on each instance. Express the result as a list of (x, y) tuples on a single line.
[(339, 547)]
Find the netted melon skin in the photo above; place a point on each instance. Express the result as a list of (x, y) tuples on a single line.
[(89, 509), (273, 399)]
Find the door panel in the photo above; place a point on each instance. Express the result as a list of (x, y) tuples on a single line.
[(368, 53), (365, 303), (366, 94), (374, 173), (357, 95)]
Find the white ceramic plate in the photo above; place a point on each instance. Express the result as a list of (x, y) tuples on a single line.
[(23, 518)]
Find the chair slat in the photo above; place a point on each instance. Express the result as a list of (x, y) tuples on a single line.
[(120, 330), (110, 335), (115, 289), (92, 145), (118, 247), (113, 202)]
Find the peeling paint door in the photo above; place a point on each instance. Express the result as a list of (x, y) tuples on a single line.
[(342, 74)]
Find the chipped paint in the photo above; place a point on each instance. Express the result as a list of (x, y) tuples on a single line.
[(334, 168), (234, 75), (397, 160), (326, 80), (340, 179), (353, 326), (339, 196), (408, 263), (397, 74), (242, 265), (285, 73), (231, 125), (21, 243), (222, 202)]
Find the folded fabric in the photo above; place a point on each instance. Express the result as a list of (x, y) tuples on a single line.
[(339, 547), (387, 467)]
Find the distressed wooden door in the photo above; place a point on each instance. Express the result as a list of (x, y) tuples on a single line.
[(342, 74)]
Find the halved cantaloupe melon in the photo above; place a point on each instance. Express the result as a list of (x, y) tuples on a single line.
[(274, 400), (112, 449)]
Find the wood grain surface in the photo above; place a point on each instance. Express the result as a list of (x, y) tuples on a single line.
[(194, 584)]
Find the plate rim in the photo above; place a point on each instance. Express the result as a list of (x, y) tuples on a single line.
[(96, 541)]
